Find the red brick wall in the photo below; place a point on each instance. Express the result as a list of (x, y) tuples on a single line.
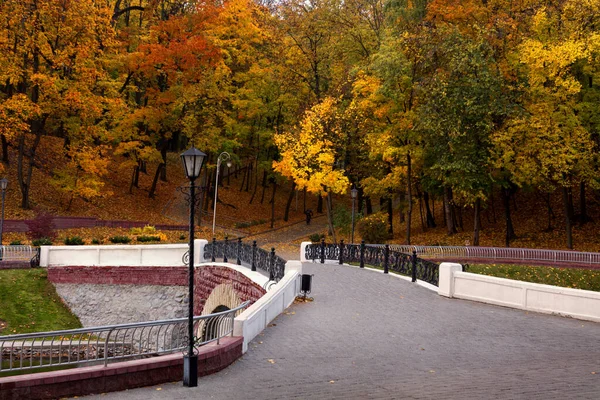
[(210, 276), (206, 279), (163, 276)]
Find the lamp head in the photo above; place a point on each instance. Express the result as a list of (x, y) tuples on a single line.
[(3, 183), (354, 193), (192, 160)]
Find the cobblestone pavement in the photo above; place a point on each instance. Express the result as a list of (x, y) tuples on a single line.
[(374, 336)]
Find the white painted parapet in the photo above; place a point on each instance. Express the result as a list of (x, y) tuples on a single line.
[(120, 255), (303, 251), (446, 281), (279, 297), (576, 303)]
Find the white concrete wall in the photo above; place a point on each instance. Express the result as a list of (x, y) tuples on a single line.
[(120, 255), (256, 318), (576, 303), (303, 251)]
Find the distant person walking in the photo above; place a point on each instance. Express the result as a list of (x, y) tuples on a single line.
[(309, 214)]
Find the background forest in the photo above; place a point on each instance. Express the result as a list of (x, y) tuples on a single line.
[(408, 101)]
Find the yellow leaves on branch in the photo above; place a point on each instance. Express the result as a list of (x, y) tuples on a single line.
[(311, 155)]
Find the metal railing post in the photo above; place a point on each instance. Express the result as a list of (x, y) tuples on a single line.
[(362, 253), (253, 255), (239, 251), (272, 265), (105, 348), (225, 249), (214, 247), (322, 251), (414, 266), (386, 258), (341, 247)]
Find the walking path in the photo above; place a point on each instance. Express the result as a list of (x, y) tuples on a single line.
[(374, 336)]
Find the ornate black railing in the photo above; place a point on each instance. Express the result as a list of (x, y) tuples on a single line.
[(375, 255), (250, 255)]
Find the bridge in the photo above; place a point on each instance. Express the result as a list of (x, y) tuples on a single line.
[(373, 335)]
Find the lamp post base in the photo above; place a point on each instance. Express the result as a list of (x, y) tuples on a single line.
[(190, 370)]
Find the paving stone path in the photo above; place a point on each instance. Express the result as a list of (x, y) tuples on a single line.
[(374, 336)]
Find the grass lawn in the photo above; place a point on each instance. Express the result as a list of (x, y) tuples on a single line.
[(29, 303), (566, 277)]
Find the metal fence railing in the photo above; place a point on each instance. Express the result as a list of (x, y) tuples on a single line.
[(245, 254), (503, 253), (22, 253), (382, 256), (101, 345)]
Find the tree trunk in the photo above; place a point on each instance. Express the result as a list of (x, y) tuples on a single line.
[(450, 227), (273, 204), (583, 215), (143, 168), (202, 197), (369, 205), (568, 219), (250, 165), (421, 212), (4, 150), (330, 217), (429, 215), (255, 186), (304, 201), (493, 206), (320, 204), (136, 175), (390, 213), (510, 232), (244, 178), (209, 199), (163, 154), (160, 167), (264, 186), (476, 222), (550, 212), (408, 197), (458, 217), (289, 202)]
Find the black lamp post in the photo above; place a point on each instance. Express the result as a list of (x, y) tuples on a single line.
[(3, 184), (192, 164), (353, 194)]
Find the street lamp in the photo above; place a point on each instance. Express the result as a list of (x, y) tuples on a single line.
[(3, 184), (192, 164), (222, 157), (353, 194)]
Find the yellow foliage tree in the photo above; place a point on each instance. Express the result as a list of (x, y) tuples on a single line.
[(313, 155)]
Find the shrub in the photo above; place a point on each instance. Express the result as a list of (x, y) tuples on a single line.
[(316, 237), (374, 228), (135, 231), (16, 243), (42, 226), (182, 237), (74, 241), (95, 241), (42, 242), (149, 230), (145, 238), (120, 239)]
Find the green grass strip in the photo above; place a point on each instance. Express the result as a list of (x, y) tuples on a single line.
[(565, 277), (29, 303)]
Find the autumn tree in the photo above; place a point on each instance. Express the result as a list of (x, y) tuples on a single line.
[(548, 146), (52, 68), (311, 157)]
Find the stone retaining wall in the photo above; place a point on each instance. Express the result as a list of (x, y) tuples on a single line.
[(116, 295)]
